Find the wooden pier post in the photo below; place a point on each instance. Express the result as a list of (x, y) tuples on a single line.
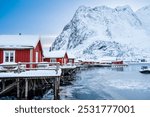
[(56, 88), (3, 84), (26, 88), (34, 85), (18, 88)]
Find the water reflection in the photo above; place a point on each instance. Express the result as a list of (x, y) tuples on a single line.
[(120, 68), (108, 83)]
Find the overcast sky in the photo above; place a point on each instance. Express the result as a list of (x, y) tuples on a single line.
[(48, 16)]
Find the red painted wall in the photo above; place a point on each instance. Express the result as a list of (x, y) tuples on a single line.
[(57, 60), (22, 55), (72, 60), (1, 56), (40, 53), (66, 57), (60, 60), (46, 59), (117, 62)]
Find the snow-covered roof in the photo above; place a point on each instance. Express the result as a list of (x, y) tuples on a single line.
[(47, 42), (46, 52), (18, 41), (70, 55), (55, 54)]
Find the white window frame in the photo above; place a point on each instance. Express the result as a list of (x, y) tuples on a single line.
[(36, 56), (9, 53), (65, 61), (53, 60), (70, 61)]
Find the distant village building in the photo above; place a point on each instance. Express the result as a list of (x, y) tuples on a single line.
[(56, 56), (20, 48), (117, 62), (71, 58), (60, 56)]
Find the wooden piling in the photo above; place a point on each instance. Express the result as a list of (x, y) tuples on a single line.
[(18, 88), (26, 88), (56, 88), (34, 85), (3, 84)]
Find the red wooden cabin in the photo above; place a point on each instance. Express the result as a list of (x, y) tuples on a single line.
[(56, 56), (20, 48), (119, 62), (71, 58)]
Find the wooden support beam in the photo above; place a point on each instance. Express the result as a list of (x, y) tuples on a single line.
[(56, 88), (26, 88), (58, 91), (3, 84), (18, 88), (34, 84)]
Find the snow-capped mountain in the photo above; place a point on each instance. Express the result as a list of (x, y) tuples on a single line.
[(102, 31), (144, 16)]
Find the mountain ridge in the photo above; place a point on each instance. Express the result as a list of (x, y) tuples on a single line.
[(107, 26)]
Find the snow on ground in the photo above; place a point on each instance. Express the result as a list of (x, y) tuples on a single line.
[(33, 73)]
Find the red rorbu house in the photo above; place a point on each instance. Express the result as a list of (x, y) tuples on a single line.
[(58, 56), (117, 62), (20, 48), (71, 58)]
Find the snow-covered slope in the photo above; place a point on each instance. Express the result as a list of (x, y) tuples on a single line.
[(144, 16), (102, 31)]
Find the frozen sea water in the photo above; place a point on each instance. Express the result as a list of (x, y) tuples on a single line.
[(122, 83), (109, 83)]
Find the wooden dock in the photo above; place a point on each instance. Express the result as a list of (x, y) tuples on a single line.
[(28, 79)]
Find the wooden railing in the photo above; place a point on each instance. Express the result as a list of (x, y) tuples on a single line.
[(22, 66)]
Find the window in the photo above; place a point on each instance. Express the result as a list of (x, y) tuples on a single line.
[(6, 57), (37, 57), (9, 56), (70, 61), (53, 60)]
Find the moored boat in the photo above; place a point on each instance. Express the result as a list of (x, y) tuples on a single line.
[(145, 70)]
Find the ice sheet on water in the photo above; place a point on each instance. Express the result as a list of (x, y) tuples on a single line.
[(48, 95), (66, 92), (108, 83), (104, 83)]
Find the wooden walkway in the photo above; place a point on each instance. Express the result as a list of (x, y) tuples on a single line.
[(16, 74)]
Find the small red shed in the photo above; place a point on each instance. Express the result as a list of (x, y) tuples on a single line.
[(117, 62), (20, 48), (56, 56), (71, 58)]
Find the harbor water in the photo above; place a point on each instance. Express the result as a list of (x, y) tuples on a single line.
[(117, 83)]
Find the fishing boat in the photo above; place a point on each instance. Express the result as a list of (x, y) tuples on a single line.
[(145, 70)]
